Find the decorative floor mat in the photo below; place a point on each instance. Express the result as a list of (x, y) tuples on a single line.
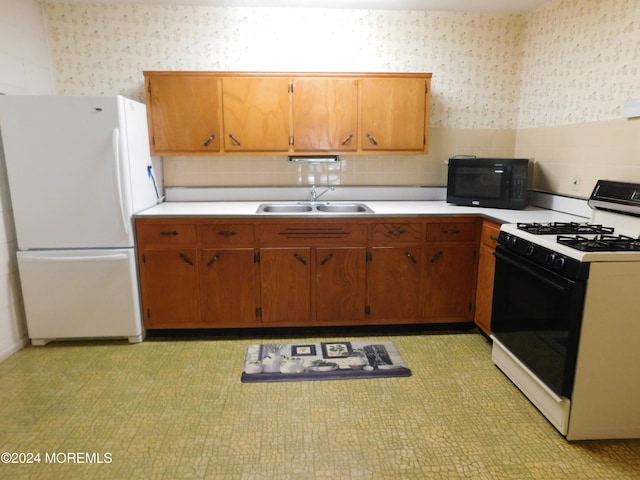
[(323, 361)]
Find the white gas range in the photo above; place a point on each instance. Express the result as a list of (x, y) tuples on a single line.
[(566, 315)]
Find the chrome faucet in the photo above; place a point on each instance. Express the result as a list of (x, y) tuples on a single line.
[(315, 195)]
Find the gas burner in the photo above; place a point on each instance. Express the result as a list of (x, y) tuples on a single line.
[(601, 243), (563, 228)]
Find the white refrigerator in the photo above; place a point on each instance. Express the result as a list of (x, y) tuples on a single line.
[(78, 169)]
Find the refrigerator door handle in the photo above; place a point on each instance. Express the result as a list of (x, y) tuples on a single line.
[(116, 159), (91, 258)]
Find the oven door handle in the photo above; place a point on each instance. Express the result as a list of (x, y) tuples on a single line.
[(531, 271)]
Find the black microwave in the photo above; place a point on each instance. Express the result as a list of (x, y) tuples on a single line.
[(489, 182)]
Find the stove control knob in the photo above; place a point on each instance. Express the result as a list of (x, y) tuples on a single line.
[(550, 259), (511, 240), (529, 250), (559, 263)]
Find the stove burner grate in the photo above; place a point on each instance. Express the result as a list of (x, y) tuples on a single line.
[(562, 228), (602, 243)]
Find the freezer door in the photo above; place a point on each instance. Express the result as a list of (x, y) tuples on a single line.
[(68, 164), (80, 294)]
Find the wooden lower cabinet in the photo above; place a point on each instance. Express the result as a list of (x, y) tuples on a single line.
[(228, 289), (340, 281), (394, 284), (285, 286), (450, 282), (486, 274), (260, 272), (169, 282)]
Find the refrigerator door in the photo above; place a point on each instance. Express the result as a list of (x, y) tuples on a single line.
[(80, 294), (68, 164)]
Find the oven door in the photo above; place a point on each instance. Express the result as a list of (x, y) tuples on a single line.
[(537, 315)]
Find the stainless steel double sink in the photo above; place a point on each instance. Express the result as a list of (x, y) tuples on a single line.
[(311, 208)]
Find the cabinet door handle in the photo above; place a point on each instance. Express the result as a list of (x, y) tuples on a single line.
[(227, 233), (169, 234), (327, 258), (235, 141), (348, 139), (436, 257), (372, 139), (299, 258), (186, 259), (209, 140), (213, 260), (411, 257)]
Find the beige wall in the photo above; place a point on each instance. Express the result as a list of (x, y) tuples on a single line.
[(502, 84)]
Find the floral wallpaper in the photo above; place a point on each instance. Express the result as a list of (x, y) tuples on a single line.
[(570, 61), (474, 58), (580, 61)]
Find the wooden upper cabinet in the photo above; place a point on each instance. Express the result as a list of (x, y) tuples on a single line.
[(255, 114), (394, 113), (325, 114), (183, 114), (218, 113)]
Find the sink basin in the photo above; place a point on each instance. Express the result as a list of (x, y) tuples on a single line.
[(314, 208), (284, 208), (343, 208)]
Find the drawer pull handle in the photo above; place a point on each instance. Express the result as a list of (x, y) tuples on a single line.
[(493, 239), (347, 140), (169, 234), (227, 233), (411, 257), (209, 140), (372, 139), (326, 259), (235, 141), (213, 260), (186, 259), (396, 233), (299, 258), (455, 231), (436, 257)]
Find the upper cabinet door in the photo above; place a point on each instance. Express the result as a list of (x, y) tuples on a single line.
[(394, 114), (325, 114), (256, 114), (183, 114)]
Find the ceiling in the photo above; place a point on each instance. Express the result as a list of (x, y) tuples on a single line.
[(502, 6)]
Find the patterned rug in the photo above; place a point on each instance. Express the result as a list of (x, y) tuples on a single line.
[(323, 361)]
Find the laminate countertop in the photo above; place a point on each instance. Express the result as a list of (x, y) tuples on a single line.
[(380, 208)]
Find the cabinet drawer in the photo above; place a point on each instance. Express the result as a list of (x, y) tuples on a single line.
[(226, 234), (451, 232), (397, 232), (490, 232), (313, 233), (166, 233)]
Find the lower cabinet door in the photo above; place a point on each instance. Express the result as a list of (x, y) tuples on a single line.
[(450, 282), (169, 281), (394, 284), (340, 285), (285, 286), (228, 287)]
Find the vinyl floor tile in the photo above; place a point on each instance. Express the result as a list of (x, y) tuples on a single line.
[(174, 409)]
